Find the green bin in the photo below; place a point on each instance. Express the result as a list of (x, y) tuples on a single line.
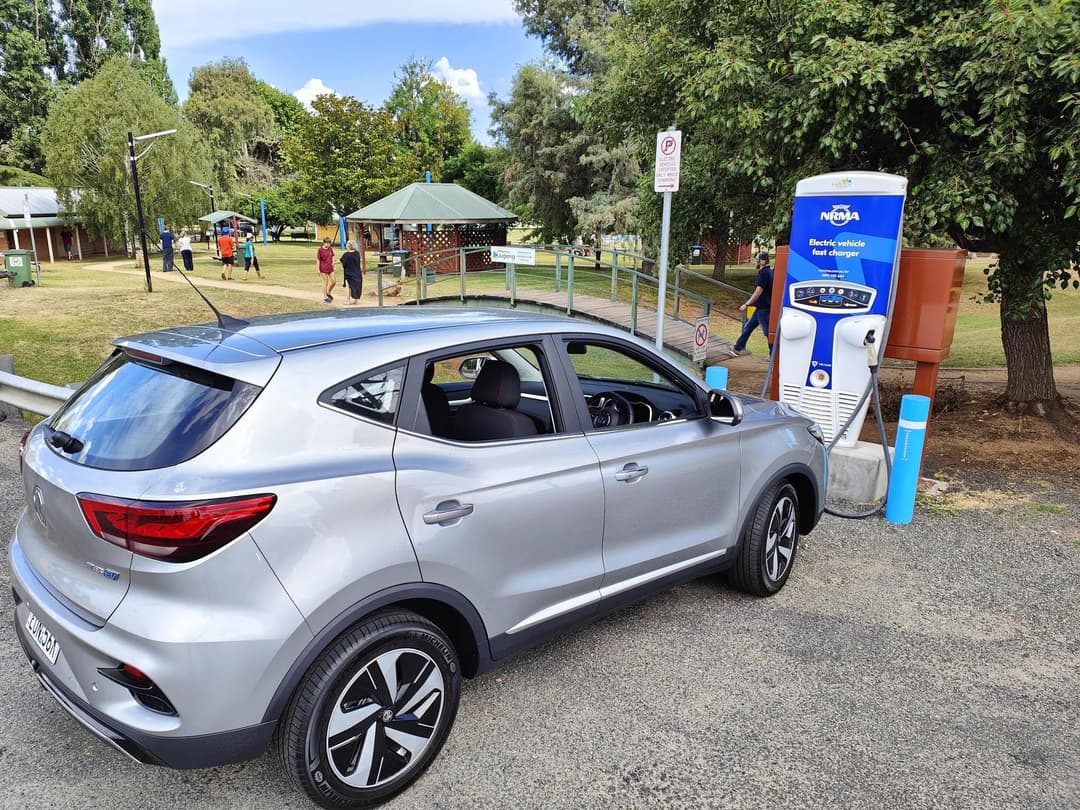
[(19, 264)]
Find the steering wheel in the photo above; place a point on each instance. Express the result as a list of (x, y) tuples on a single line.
[(608, 409)]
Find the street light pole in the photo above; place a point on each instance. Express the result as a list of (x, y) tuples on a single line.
[(139, 211), (213, 206), (138, 197)]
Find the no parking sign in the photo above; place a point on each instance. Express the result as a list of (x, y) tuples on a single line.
[(701, 338)]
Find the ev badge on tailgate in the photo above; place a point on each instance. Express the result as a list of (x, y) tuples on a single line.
[(108, 573)]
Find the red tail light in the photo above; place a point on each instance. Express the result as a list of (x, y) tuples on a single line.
[(174, 531)]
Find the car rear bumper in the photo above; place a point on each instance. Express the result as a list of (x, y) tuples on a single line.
[(202, 751)]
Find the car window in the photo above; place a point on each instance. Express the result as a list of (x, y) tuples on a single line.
[(375, 395), (492, 394), (134, 415), (623, 388)]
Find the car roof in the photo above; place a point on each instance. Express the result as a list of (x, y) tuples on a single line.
[(252, 351)]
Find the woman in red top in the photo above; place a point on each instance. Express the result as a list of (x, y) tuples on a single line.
[(325, 256)]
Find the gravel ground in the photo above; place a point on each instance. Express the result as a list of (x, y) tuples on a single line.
[(930, 665)]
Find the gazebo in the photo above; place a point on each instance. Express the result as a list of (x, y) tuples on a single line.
[(215, 218), (436, 216)]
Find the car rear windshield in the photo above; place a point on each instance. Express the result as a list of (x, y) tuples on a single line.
[(137, 415)]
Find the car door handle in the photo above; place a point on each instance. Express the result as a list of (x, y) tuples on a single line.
[(447, 513), (631, 473)]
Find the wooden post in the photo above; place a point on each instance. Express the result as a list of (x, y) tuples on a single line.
[(78, 243), (48, 238), (105, 245), (16, 232)]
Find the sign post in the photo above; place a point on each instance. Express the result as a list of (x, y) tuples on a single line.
[(665, 181)]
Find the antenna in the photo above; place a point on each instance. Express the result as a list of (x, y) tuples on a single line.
[(224, 321)]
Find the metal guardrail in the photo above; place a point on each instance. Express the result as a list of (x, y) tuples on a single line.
[(31, 395)]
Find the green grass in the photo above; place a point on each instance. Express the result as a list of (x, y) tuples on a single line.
[(60, 331)]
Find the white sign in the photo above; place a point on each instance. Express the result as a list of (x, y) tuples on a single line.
[(668, 156), (701, 338), (513, 255)]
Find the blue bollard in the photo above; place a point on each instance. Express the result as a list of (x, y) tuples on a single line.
[(910, 437), (716, 377)]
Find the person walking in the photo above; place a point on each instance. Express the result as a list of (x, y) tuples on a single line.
[(354, 276), (227, 250), (325, 264), (184, 245), (250, 259), (166, 250), (65, 237), (762, 297)]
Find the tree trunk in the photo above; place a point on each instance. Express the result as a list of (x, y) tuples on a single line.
[(723, 236), (1030, 385)]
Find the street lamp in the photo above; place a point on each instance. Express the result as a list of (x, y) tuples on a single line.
[(213, 206), (138, 197), (262, 212)]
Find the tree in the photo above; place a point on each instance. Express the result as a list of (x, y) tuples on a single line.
[(86, 153), (544, 146), (479, 169), (25, 88), (98, 30), (571, 29), (344, 156), (234, 121), (432, 122), (285, 107), (975, 101)]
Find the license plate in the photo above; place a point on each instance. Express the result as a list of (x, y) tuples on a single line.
[(42, 637)]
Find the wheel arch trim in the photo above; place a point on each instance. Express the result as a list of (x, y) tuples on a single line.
[(460, 621), (805, 487)]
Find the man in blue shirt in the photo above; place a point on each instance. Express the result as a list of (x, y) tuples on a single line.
[(762, 297), (166, 250)]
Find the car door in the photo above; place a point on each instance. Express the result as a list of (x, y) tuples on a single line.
[(671, 476), (515, 525)]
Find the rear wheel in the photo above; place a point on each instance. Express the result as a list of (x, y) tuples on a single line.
[(768, 546), (372, 712)]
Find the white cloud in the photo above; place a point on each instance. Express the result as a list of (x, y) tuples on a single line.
[(313, 88), (462, 81), (184, 22)]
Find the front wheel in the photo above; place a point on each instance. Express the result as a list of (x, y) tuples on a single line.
[(372, 712), (768, 546)]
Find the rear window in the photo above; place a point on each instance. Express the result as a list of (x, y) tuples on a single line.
[(131, 415)]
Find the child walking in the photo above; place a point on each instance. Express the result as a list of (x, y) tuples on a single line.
[(250, 259)]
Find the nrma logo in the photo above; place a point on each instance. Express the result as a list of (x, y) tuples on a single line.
[(840, 215)]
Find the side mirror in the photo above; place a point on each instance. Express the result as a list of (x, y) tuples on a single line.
[(725, 408), (470, 366)]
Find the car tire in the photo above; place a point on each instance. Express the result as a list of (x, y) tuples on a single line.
[(350, 738), (769, 544)]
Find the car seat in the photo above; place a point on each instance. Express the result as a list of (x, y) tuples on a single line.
[(492, 413)]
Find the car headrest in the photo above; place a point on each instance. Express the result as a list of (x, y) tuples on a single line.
[(497, 384), (429, 373)]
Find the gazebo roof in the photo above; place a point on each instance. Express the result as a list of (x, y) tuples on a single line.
[(217, 216), (434, 203)]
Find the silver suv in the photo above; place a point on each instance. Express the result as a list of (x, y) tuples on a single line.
[(306, 529)]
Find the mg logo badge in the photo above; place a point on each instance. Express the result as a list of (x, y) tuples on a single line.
[(38, 505)]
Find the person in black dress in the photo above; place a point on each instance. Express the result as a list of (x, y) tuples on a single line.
[(354, 277)]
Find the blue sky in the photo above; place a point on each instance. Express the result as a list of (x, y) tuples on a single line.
[(353, 48)]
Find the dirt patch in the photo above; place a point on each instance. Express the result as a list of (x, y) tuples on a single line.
[(971, 439)]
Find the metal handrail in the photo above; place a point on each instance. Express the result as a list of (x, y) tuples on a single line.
[(572, 272)]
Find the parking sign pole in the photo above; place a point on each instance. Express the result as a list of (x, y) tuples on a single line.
[(666, 181), (661, 303)]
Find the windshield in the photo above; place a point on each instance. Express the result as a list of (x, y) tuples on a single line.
[(134, 416)]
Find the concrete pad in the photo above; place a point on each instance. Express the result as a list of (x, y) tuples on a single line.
[(857, 473)]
